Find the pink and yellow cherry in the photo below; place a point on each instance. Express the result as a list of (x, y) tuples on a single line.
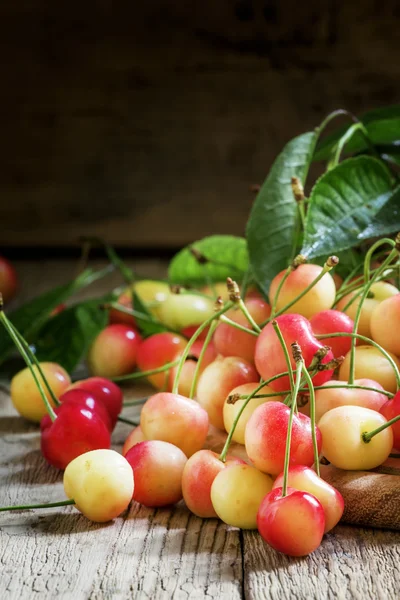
[(370, 363), (342, 431), (231, 411), (157, 472), (25, 395), (265, 438), (175, 419), (320, 297), (293, 524), (269, 356), (101, 484), (8, 280), (158, 350), (233, 342), (219, 289), (198, 475), (75, 430), (114, 351), (189, 367), (333, 321), (216, 382), (379, 292), (331, 397), (236, 494), (135, 437), (306, 480), (83, 397), (385, 319), (390, 410), (152, 293), (179, 311), (116, 316), (108, 392)]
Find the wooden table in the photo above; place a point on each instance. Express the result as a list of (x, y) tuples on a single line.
[(158, 554)]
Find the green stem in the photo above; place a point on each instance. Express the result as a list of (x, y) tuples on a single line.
[(312, 417), (127, 421), (285, 352), (336, 113), (248, 316), (141, 374), (367, 437), (194, 337), (31, 506), (299, 367), (196, 374), (280, 285), (360, 305), (368, 257), (10, 330), (228, 321), (326, 387), (346, 138), (243, 288)]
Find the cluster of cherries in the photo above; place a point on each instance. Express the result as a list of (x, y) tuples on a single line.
[(316, 373)]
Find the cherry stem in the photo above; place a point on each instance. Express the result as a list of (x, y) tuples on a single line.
[(280, 286), (140, 374), (247, 399), (367, 436), (328, 266), (137, 402), (10, 330), (194, 337), (127, 421), (196, 374), (312, 416), (31, 506), (325, 387), (299, 368), (248, 316), (229, 321), (134, 313), (285, 352)]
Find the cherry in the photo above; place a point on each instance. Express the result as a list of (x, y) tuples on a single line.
[(135, 437), (265, 438), (156, 351), (152, 293), (175, 419), (379, 292), (25, 395), (320, 297), (157, 472), (114, 351), (83, 397), (218, 289), (101, 484), (75, 430), (189, 367), (182, 310), (306, 480), (8, 280), (231, 411), (104, 390), (372, 364), (236, 494), (117, 316), (293, 524), (216, 382), (336, 394), (269, 356), (197, 479), (389, 410), (333, 321), (384, 324), (233, 342), (343, 445)]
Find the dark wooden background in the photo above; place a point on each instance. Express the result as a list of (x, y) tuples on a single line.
[(146, 122)]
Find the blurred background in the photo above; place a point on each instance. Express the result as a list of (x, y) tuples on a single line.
[(148, 123)]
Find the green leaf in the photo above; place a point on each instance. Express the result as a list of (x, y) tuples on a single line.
[(225, 255), (66, 338), (387, 220), (30, 317), (383, 126), (342, 204), (272, 222)]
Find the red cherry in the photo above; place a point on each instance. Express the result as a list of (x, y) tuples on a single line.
[(269, 356), (116, 316), (76, 430), (114, 351), (88, 399), (389, 410), (158, 350), (293, 524), (333, 321), (8, 280), (104, 390)]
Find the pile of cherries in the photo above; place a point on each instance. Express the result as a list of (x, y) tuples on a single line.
[(315, 374)]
